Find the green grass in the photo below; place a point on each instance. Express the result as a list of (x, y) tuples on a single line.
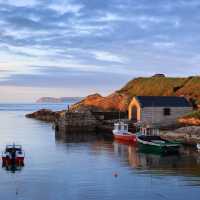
[(194, 114), (164, 86), (155, 86)]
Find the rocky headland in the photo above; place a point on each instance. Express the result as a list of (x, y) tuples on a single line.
[(88, 109)]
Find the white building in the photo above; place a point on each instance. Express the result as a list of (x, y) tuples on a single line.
[(161, 110)]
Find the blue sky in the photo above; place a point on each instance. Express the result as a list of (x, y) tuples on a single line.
[(78, 47)]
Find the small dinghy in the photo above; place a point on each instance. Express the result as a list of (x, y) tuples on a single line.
[(13, 155), (122, 134)]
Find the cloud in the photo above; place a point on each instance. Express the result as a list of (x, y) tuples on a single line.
[(87, 38), (20, 3), (163, 44), (53, 77), (108, 56), (63, 7)]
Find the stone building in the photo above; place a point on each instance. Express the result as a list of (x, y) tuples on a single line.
[(160, 110)]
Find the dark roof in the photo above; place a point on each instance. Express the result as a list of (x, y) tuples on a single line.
[(163, 101)]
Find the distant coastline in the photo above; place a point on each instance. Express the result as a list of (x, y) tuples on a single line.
[(58, 100)]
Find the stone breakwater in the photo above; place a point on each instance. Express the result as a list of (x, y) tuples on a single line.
[(76, 122)]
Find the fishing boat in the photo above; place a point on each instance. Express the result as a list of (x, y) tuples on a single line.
[(122, 134), (13, 155), (150, 141)]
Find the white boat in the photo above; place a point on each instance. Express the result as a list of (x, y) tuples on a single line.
[(13, 155), (121, 132), (198, 146)]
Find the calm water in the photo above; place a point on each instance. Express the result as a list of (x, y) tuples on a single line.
[(58, 168)]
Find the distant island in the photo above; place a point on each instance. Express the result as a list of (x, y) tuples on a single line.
[(58, 100)]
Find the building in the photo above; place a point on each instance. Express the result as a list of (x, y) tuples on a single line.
[(160, 110), (159, 75)]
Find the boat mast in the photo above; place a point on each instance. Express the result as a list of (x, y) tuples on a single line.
[(119, 115)]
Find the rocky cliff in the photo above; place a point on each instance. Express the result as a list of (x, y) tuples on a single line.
[(153, 86), (96, 102)]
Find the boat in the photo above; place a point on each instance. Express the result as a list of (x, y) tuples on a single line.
[(122, 134), (149, 141), (198, 146), (13, 155)]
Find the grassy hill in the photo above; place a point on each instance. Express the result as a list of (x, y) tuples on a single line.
[(145, 86), (164, 86)]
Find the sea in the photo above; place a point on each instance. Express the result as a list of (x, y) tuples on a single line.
[(88, 168)]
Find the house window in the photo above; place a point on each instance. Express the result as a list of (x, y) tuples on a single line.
[(167, 111)]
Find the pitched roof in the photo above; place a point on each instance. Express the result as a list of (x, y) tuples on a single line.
[(163, 101)]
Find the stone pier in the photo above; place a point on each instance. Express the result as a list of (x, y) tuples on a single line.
[(76, 122)]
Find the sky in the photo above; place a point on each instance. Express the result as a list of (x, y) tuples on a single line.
[(78, 47)]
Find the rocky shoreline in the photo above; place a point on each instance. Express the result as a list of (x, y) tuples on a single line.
[(189, 135), (67, 122)]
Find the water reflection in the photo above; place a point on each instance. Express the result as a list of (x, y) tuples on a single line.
[(13, 168), (186, 162), (79, 137)]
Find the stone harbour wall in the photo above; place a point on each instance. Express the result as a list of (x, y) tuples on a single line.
[(76, 122)]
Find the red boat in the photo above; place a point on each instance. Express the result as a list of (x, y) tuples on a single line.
[(13, 155), (121, 133)]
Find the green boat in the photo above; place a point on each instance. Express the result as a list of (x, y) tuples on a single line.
[(149, 141), (157, 144)]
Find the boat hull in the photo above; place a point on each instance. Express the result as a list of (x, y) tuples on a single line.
[(162, 148), (8, 161), (157, 149), (130, 138)]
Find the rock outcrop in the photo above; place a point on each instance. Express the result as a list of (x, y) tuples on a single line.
[(96, 102), (45, 115), (191, 119)]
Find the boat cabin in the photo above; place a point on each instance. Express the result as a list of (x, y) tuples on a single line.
[(10, 148), (121, 127), (149, 131)]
